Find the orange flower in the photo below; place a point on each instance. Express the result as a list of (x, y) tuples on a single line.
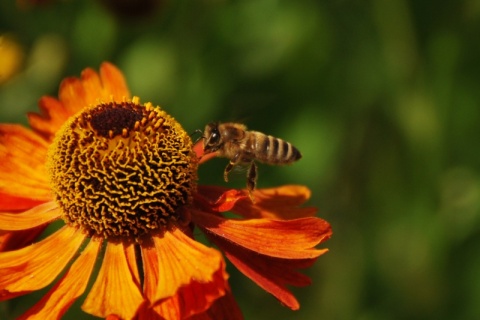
[(122, 178)]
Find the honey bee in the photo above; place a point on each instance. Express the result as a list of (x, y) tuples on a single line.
[(234, 142)]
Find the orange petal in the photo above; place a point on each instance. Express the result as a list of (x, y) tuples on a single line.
[(73, 95), (114, 83), (36, 266), (94, 91), (52, 116), (292, 239), (34, 217), (76, 94), (72, 285), (92, 88), (22, 163), (114, 291), (182, 260)]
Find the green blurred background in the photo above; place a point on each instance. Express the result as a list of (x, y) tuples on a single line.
[(382, 98)]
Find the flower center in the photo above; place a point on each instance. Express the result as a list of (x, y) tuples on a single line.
[(121, 170)]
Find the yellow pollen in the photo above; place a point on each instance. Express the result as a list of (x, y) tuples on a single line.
[(122, 170)]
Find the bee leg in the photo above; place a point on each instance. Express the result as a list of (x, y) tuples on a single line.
[(228, 168), (252, 180), (234, 161)]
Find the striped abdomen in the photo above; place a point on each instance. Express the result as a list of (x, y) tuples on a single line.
[(272, 150)]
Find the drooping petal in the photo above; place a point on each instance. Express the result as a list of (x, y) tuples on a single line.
[(23, 179), (36, 266), (291, 239), (151, 269), (32, 218), (198, 149), (11, 202), (191, 299), (181, 260), (218, 199), (115, 291), (268, 251), (132, 263), (13, 240), (271, 274), (277, 203), (182, 277), (27, 225), (281, 203), (72, 285), (223, 308)]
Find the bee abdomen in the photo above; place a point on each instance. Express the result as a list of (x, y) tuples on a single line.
[(276, 151)]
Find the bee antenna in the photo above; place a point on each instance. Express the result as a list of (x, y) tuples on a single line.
[(196, 132)]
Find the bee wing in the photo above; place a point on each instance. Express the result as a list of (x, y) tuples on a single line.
[(240, 169)]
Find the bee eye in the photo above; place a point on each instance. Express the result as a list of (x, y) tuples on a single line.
[(214, 138)]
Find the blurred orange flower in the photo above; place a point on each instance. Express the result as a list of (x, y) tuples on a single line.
[(122, 176), (11, 58)]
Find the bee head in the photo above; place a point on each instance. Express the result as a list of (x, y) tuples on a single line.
[(213, 138)]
